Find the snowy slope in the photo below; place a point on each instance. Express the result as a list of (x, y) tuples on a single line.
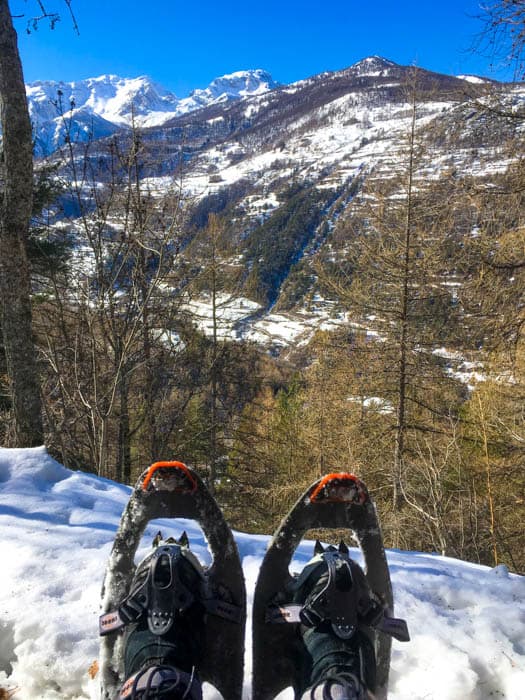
[(99, 106), (240, 318), (334, 128), (234, 147), (56, 528)]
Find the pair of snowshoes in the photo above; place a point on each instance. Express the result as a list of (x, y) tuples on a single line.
[(170, 624)]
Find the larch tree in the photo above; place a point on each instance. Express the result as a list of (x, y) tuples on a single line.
[(394, 282), (494, 297), (230, 373), (494, 420)]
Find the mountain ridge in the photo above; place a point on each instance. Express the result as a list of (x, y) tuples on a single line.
[(281, 164), (98, 107)]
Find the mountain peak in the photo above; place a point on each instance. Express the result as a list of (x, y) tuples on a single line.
[(238, 84), (372, 66), (104, 103)]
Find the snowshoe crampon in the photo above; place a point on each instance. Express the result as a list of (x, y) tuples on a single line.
[(334, 501), (172, 490)]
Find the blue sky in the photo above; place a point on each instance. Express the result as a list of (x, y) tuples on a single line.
[(184, 44)]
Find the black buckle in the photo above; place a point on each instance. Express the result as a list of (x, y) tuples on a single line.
[(336, 602)]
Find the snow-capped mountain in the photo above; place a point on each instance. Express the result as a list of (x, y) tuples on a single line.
[(229, 87), (256, 152), (374, 66), (98, 107), (109, 96)]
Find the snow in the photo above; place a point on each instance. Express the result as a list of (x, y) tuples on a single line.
[(465, 371), (110, 101), (467, 621), (242, 318), (238, 84), (229, 311), (373, 403), (474, 79), (339, 138)]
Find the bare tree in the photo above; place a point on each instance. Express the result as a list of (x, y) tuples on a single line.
[(112, 316), (503, 37)]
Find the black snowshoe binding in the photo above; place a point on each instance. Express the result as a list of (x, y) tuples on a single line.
[(334, 592), (169, 623), (335, 605), (165, 613), (167, 582)]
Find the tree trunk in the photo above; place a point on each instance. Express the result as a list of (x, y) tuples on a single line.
[(124, 435), (16, 182)]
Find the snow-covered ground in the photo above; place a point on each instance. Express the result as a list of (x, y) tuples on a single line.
[(56, 528), (239, 318)]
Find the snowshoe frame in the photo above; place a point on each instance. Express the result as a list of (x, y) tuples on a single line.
[(181, 495), (334, 501)]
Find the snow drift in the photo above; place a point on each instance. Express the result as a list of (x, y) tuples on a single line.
[(56, 529)]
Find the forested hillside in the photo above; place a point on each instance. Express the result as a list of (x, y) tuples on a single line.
[(315, 277)]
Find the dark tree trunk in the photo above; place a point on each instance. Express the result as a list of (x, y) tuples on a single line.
[(124, 435), (16, 183)]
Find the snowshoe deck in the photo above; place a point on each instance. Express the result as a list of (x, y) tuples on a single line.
[(334, 501), (172, 490)]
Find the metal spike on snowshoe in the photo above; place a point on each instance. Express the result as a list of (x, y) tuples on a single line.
[(318, 547)]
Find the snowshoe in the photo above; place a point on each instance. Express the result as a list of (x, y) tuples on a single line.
[(342, 615), (170, 624)]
